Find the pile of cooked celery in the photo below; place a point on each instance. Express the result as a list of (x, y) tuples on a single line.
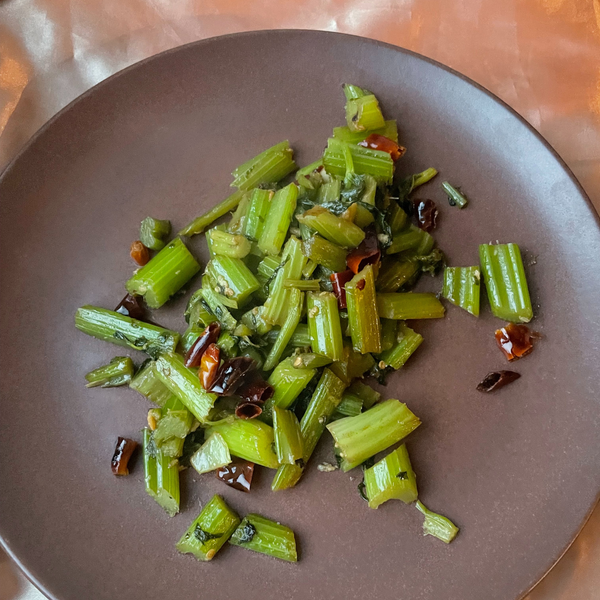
[(307, 294)]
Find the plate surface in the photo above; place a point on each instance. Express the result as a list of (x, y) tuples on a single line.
[(518, 471)]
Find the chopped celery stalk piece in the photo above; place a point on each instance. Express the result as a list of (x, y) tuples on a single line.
[(296, 303), (111, 326), (279, 217), (175, 422), (214, 453), (325, 399), (147, 383), (368, 395), (437, 525), (310, 360), (184, 383), (407, 342), (161, 475), (268, 266), (411, 238), (228, 344), (153, 233), (301, 337), (306, 285), (118, 371), (227, 244), (392, 478), (364, 114), (164, 275), (214, 302), (423, 177), (409, 306), (461, 287), (324, 324), (289, 444), (506, 283), (395, 274), (199, 224), (352, 364), (389, 130), (388, 334), (333, 228), (455, 198), (248, 439), (330, 191), (254, 320), (352, 91), (233, 278), (326, 253), (366, 161), (350, 406), (209, 531), (237, 222), (196, 312), (191, 334), (260, 201), (365, 327), (265, 536), (269, 166), (172, 448), (397, 218), (363, 436)]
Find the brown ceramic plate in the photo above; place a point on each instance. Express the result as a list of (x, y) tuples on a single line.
[(518, 471)]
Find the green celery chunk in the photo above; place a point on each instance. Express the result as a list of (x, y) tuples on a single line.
[(296, 303), (289, 444), (260, 201), (268, 266), (118, 371), (352, 364), (324, 324), (304, 171), (306, 285), (161, 475), (199, 224), (407, 341), (389, 328), (153, 233), (265, 536), (164, 275), (395, 274), (506, 283), (223, 243), (333, 228), (216, 304), (270, 166), (175, 422), (392, 478), (364, 114), (111, 326), (209, 531), (279, 217), (197, 311), (365, 327), (330, 191), (368, 395), (228, 344), (237, 223), (396, 217), (437, 525), (147, 383), (233, 278), (350, 406), (310, 360), (409, 306), (461, 287), (326, 253), (352, 91), (389, 130), (455, 198), (191, 334), (423, 177), (366, 161), (411, 238), (214, 453)]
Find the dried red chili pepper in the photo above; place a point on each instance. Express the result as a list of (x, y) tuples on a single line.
[(139, 253), (339, 281), (231, 375), (496, 380), (123, 451), (367, 253), (209, 366), (514, 340), (427, 214), (237, 474), (257, 391), (209, 336), (380, 142), (131, 306), (248, 410)]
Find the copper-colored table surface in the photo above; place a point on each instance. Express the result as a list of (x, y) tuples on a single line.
[(540, 56)]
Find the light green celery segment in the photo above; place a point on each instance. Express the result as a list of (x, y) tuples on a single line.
[(196, 312), (111, 326), (364, 114), (214, 453), (268, 266), (190, 335), (407, 341), (278, 219), (363, 436), (366, 393), (423, 177), (310, 360), (265, 536), (215, 302), (462, 286), (366, 161), (306, 285), (175, 422), (117, 372), (411, 238), (352, 91), (289, 444), (260, 201), (437, 525), (389, 130), (330, 191), (199, 224), (365, 327), (223, 243), (185, 384), (397, 218), (326, 253), (409, 306), (161, 476), (455, 198), (209, 531), (506, 283), (395, 273), (153, 233), (352, 364), (251, 440), (333, 228), (233, 278), (389, 328), (350, 406), (172, 448), (237, 223), (309, 168), (324, 324), (270, 166), (164, 275), (392, 478), (147, 383)]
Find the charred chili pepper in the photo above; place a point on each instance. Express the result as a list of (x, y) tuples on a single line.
[(427, 214), (380, 142), (339, 281), (237, 474), (139, 253), (131, 306), (256, 391), (367, 253), (496, 380), (514, 340), (209, 366), (231, 375), (209, 336), (248, 410), (123, 451)]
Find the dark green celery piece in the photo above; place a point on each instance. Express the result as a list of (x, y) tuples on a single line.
[(330, 191), (184, 383), (279, 217), (306, 285), (268, 266), (161, 475), (254, 320), (199, 224), (214, 453), (310, 360), (289, 444), (411, 238), (214, 302), (437, 525), (455, 198), (392, 478), (270, 166), (326, 253), (462, 286), (294, 308), (190, 335), (407, 342), (324, 324), (388, 334), (118, 371), (364, 114), (223, 243), (350, 406), (409, 306), (352, 364), (396, 217), (368, 395), (422, 177), (175, 422), (506, 283), (301, 337), (395, 274), (389, 130), (228, 344), (265, 536), (147, 383), (209, 531), (153, 233), (363, 436), (248, 439), (366, 161), (326, 398), (333, 228), (260, 201), (234, 279), (164, 275), (365, 327), (237, 223), (196, 312), (111, 326)]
